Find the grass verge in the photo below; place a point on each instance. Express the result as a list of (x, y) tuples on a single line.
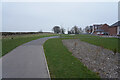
[(11, 42), (109, 43), (62, 64)]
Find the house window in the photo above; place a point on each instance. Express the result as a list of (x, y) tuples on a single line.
[(95, 27), (102, 32)]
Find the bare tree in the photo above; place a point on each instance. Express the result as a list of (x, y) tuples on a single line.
[(62, 31), (69, 32), (80, 30), (87, 29), (75, 30)]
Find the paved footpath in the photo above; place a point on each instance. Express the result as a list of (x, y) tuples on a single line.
[(26, 61)]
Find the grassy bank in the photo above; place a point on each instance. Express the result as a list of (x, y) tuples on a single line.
[(109, 43), (11, 42), (62, 64)]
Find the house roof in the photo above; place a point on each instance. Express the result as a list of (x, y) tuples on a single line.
[(116, 24)]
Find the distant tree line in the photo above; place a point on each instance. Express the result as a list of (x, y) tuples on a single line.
[(74, 30)]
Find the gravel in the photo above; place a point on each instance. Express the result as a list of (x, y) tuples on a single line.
[(102, 61)]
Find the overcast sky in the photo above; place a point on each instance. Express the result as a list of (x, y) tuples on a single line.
[(35, 16)]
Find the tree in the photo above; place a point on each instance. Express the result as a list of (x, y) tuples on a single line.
[(80, 30), (56, 29), (69, 32), (75, 30), (87, 29), (62, 31)]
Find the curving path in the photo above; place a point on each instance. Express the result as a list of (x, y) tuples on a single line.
[(26, 61)]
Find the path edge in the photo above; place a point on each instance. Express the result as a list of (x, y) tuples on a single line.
[(46, 63)]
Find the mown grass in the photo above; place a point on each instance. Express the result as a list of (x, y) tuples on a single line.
[(62, 64), (109, 43), (11, 42)]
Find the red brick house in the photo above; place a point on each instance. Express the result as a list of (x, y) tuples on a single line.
[(101, 29), (104, 29), (97, 30), (114, 29)]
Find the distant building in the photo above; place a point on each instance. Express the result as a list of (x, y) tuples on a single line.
[(105, 29), (99, 29)]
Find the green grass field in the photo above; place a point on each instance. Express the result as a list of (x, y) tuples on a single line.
[(62, 64), (108, 43), (9, 44)]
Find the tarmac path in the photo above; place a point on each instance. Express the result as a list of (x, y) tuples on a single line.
[(26, 61)]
